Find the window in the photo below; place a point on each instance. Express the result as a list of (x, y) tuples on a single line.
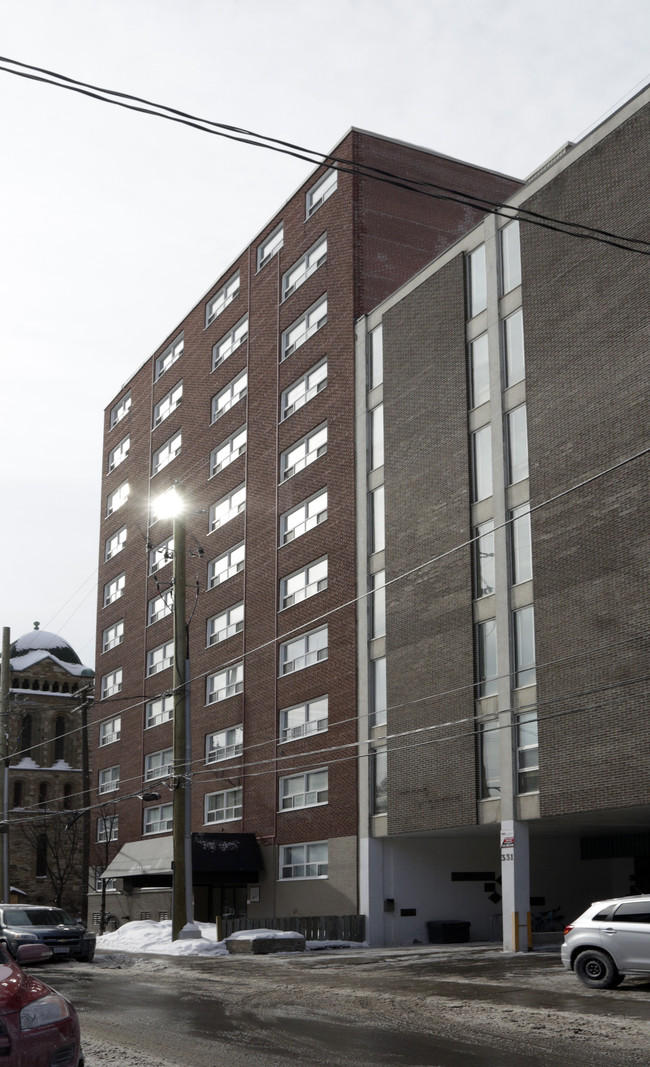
[(377, 520), (166, 453), (109, 780), (479, 371), (115, 544), (304, 861), (158, 764), (378, 691), (375, 357), (224, 454), (489, 762), (303, 651), (510, 257), (303, 583), (225, 744), (304, 267), (484, 580), (303, 517), (225, 566), (521, 553), (513, 332), (113, 635), (303, 790), (230, 342), (477, 281), (169, 403), (517, 444), (227, 508), (118, 497), (482, 463), (160, 556), (98, 884), (228, 397), (226, 624), (224, 296), (376, 427), (378, 604), (173, 352), (304, 452), (111, 683), (527, 753), (486, 658), (303, 390), (304, 327), (118, 454), (302, 720), (158, 820), (160, 658), (321, 191), (120, 410), (523, 632), (225, 683), (159, 710), (114, 589), (379, 798), (224, 806), (110, 730), (271, 246), (107, 828), (159, 606)]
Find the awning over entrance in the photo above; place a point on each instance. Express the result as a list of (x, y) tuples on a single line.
[(141, 857), (226, 853)]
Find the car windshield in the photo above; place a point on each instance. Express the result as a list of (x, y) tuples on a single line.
[(35, 917)]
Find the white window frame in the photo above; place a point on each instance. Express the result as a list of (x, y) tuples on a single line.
[(305, 864), (321, 191), (110, 731), (376, 437), (118, 454), (169, 403), (510, 257), (158, 764), (304, 389), (230, 342), (168, 356), (304, 327), (521, 545), (303, 583), (379, 691), (377, 607), (523, 646), (157, 819), (166, 453), (225, 624), (476, 281), (159, 710), (162, 555), (222, 298), (487, 671), (303, 517), (114, 544), (517, 444), (117, 498), (230, 395), (111, 683), (120, 410), (113, 635), (303, 452), (228, 451), (304, 267), (108, 779), (270, 246), (160, 658), (312, 718), (159, 607), (309, 656), (227, 508), (310, 793), (224, 744), (217, 577), (482, 487), (223, 684), (375, 345), (527, 753), (107, 828), (231, 806)]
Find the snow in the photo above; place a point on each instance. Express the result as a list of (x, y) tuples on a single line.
[(148, 936)]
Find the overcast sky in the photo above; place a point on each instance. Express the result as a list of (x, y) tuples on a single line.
[(113, 225)]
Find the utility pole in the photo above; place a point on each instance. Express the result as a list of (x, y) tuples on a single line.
[(5, 675), (181, 907), (85, 801)]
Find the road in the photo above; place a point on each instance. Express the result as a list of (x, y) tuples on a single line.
[(425, 1007)]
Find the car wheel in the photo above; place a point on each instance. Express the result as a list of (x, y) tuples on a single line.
[(87, 957), (597, 970)]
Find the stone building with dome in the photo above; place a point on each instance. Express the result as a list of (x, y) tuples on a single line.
[(49, 689)]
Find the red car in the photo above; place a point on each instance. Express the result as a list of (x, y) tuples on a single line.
[(38, 1027)]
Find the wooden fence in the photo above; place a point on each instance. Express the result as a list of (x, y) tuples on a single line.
[(313, 927)]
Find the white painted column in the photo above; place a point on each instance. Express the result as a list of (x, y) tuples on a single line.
[(515, 875)]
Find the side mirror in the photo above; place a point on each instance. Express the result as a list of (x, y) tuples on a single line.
[(35, 952)]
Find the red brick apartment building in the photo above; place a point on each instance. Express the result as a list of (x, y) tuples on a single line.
[(249, 407)]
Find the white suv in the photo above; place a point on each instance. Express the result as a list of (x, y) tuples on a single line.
[(609, 941)]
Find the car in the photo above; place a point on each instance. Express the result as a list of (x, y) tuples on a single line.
[(24, 924), (609, 941), (38, 1026)]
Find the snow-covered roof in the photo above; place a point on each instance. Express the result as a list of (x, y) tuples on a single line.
[(37, 645)]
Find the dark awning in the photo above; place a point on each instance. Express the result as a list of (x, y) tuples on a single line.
[(225, 852)]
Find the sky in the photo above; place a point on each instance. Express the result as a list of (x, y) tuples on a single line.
[(113, 225)]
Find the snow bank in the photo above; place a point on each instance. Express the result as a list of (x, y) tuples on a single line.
[(145, 936)]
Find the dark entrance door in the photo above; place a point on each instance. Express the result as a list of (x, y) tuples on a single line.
[(226, 901)]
